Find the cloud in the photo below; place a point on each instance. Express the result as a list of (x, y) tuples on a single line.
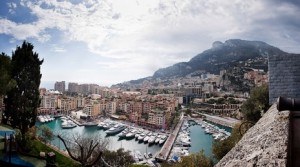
[(105, 25), (12, 7), (23, 31), (147, 35), (58, 49)]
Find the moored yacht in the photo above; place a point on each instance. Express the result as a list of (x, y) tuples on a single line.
[(90, 124), (116, 129), (123, 133), (130, 135), (138, 133), (146, 139), (163, 139), (141, 137), (45, 118), (157, 140), (68, 124), (41, 119), (151, 139), (108, 125), (100, 125)]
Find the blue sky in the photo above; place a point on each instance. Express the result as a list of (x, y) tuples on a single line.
[(111, 41)]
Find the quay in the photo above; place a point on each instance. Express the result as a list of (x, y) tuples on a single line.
[(74, 120), (167, 147), (225, 121)]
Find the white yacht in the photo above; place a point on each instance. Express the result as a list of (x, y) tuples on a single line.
[(116, 129), (100, 125), (146, 139), (108, 125), (141, 137), (130, 135), (41, 119), (45, 118), (123, 133), (151, 139), (68, 124), (163, 139)]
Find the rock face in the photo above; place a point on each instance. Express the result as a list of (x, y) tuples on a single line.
[(265, 144)]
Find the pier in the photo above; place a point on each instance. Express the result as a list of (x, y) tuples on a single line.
[(74, 120), (167, 147)]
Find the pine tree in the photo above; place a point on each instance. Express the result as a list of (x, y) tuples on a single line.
[(5, 78), (23, 99)]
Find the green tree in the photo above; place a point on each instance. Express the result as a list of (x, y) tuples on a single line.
[(197, 159), (46, 134), (117, 158), (232, 101), (5, 74), (221, 148), (258, 102), (221, 100), (193, 160), (139, 165), (188, 112), (23, 99)]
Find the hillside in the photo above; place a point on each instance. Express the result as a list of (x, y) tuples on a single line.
[(220, 56), (236, 56)]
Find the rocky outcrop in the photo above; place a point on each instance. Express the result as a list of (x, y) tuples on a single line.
[(265, 144)]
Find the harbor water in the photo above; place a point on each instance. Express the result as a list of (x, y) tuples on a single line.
[(199, 139), (114, 141)]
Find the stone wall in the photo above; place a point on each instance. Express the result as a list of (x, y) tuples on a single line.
[(284, 76), (265, 144)]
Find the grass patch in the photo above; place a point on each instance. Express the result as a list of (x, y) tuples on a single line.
[(61, 160)]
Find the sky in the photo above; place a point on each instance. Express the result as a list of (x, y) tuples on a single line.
[(112, 41)]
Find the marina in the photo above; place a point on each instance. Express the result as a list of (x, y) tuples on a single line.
[(189, 136), (115, 140)]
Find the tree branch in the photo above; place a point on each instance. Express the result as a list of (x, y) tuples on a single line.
[(69, 152)]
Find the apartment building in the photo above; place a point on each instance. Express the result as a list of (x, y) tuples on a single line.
[(73, 87), (112, 107), (49, 101), (80, 101), (92, 109), (157, 118), (67, 104), (60, 86)]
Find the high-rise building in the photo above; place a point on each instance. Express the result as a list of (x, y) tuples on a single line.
[(60, 86), (85, 88), (73, 87)]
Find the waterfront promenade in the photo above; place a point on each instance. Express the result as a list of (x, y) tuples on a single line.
[(167, 147)]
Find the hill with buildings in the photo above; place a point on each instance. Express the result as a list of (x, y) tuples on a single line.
[(237, 63)]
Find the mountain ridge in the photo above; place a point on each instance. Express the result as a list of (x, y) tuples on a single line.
[(221, 55)]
